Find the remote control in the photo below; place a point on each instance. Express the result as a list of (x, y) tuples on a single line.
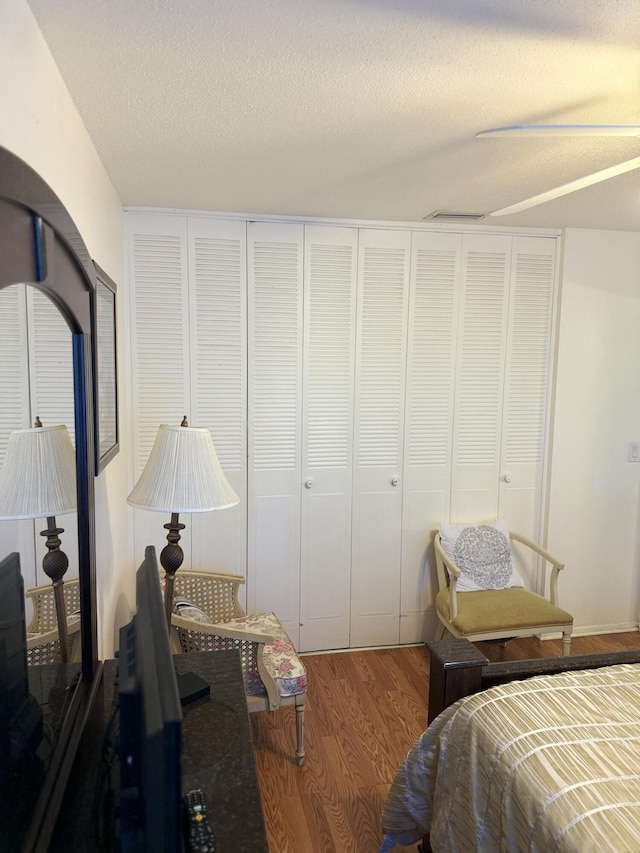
[(200, 838)]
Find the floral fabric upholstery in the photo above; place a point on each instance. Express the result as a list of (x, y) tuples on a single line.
[(280, 657)]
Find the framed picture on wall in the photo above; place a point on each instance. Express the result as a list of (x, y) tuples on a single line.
[(105, 370)]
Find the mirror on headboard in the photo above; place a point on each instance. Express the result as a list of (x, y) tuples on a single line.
[(41, 247)]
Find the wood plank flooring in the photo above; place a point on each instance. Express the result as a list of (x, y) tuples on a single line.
[(364, 711)]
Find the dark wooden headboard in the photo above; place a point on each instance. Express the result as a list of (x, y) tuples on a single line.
[(458, 669)]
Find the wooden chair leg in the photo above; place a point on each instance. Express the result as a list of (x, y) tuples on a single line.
[(300, 755), (566, 643)]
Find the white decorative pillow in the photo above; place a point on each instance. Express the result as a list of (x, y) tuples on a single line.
[(482, 552)]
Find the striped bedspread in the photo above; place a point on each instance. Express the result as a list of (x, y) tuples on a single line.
[(547, 764)]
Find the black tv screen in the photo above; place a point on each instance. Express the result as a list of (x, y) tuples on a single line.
[(150, 746)]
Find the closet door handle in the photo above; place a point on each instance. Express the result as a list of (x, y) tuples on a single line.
[(394, 481), (309, 484), (506, 478)]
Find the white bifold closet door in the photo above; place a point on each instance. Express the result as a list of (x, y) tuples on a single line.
[(527, 393), (478, 379), (275, 273), (501, 407), (327, 436), (479, 387), (302, 286), (188, 323), (436, 262), (381, 340)]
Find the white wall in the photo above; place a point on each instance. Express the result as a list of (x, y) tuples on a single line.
[(594, 521), (39, 123)]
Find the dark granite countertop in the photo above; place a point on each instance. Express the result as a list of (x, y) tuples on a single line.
[(218, 753), (217, 756)]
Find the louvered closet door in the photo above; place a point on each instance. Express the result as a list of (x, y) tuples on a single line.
[(433, 312), (158, 276), (481, 356), (218, 340), (275, 269), (382, 307), (327, 436), (527, 384), (14, 410)]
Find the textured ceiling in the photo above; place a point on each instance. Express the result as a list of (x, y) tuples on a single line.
[(361, 109)]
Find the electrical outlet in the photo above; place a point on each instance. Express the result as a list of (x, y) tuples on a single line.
[(634, 451)]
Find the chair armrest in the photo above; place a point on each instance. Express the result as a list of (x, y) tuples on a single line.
[(220, 629), (251, 645), (518, 537), (450, 579), (546, 555)]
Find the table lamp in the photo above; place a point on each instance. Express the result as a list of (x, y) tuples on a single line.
[(38, 480), (182, 474)]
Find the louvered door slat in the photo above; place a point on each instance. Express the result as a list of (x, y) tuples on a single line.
[(380, 387), (431, 361), (218, 274), (218, 341), (480, 376), (327, 436), (159, 302), (276, 349), (275, 265), (383, 292), (160, 306), (526, 407)]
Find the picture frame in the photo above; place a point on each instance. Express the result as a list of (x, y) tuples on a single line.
[(105, 369)]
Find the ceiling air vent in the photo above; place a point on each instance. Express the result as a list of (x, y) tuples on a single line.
[(440, 215)]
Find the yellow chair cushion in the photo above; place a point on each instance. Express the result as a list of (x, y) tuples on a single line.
[(501, 609)]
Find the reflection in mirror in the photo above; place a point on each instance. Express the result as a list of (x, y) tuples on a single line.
[(36, 380)]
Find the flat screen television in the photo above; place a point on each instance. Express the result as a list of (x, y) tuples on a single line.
[(150, 743)]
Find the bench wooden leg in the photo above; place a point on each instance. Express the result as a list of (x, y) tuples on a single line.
[(300, 755)]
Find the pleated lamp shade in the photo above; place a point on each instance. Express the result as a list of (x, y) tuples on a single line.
[(183, 474), (38, 478)]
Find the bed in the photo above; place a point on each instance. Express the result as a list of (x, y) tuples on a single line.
[(535, 762)]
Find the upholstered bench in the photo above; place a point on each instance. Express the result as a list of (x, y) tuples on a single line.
[(208, 617)]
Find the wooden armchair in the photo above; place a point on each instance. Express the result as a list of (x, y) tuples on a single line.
[(43, 642), (492, 614), (208, 617)]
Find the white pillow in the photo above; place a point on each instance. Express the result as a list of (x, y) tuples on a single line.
[(482, 552)]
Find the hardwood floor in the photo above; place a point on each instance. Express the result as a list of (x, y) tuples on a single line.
[(364, 711)]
